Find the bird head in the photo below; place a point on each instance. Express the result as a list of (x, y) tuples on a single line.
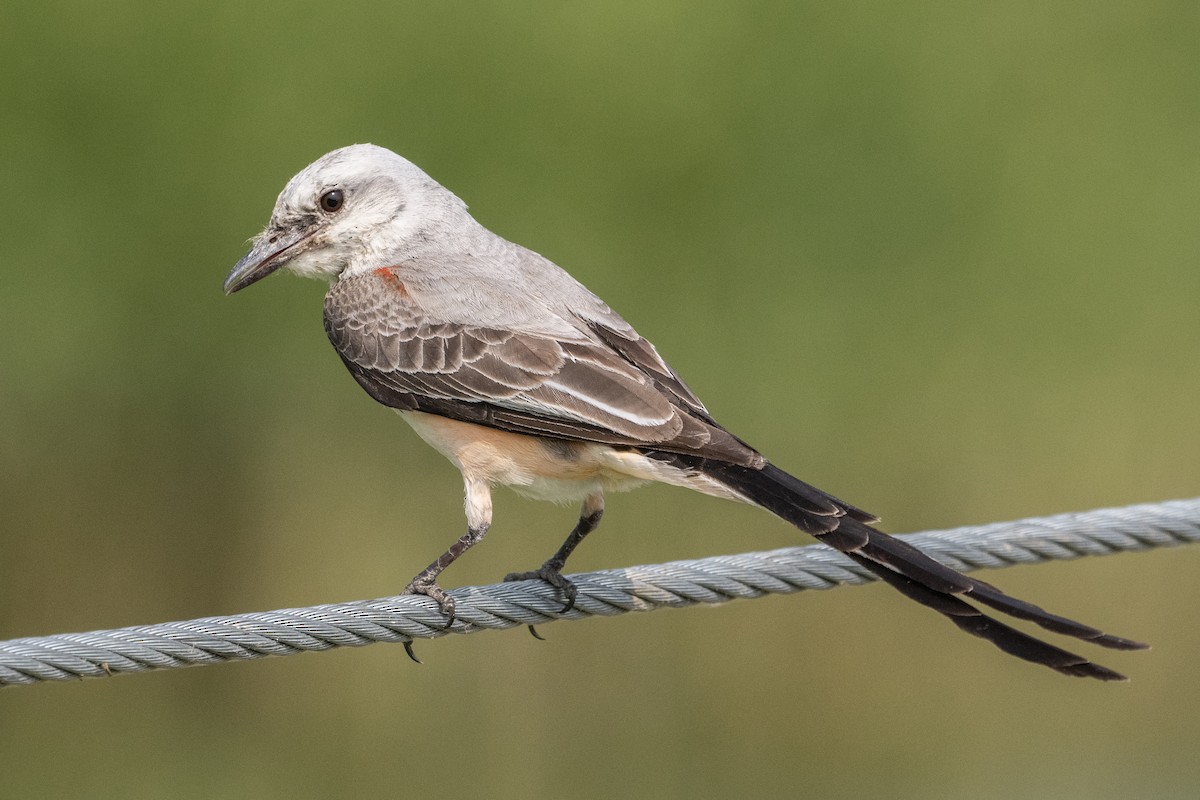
[(352, 209)]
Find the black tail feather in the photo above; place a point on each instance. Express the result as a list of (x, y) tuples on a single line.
[(976, 623), (989, 595), (910, 571)]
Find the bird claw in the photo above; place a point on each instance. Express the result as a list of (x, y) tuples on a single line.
[(553, 577), (435, 593), (408, 648)]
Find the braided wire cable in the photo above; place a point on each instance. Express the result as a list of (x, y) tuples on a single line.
[(214, 640)]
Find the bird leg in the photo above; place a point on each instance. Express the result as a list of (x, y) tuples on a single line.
[(551, 571), (479, 519), (425, 581)]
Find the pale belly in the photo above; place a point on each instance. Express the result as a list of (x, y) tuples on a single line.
[(547, 469)]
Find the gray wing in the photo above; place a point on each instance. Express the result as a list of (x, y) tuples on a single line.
[(605, 385)]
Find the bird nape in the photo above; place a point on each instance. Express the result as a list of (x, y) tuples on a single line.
[(522, 377)]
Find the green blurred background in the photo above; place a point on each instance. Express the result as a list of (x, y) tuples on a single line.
[(938, 258)]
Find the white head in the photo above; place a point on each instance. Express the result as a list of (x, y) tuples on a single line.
[(345, 212)]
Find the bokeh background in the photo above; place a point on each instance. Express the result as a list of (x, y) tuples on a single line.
[(941, 259)]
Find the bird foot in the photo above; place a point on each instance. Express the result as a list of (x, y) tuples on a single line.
[(552, 576), (429, 588)]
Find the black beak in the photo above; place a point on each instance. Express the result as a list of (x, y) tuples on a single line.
[(268, 254)]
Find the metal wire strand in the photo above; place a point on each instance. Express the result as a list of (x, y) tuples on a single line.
[(215, 640)]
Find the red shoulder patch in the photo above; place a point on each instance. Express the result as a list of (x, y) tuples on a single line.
[(391, 279)]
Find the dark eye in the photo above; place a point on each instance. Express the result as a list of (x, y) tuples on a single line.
[(332, 200)]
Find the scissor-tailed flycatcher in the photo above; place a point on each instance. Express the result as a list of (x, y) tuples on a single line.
[(519, 375)]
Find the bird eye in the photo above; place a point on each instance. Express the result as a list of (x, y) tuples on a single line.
[(332, 200)]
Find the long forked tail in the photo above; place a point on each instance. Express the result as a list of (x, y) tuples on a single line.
[(913, 573)]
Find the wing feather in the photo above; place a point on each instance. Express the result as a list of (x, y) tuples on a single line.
[(605, 385)]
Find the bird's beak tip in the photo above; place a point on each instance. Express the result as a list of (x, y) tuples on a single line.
[(247, 271), (264, 258)]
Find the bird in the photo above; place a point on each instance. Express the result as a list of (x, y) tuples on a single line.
[(522, 377)]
